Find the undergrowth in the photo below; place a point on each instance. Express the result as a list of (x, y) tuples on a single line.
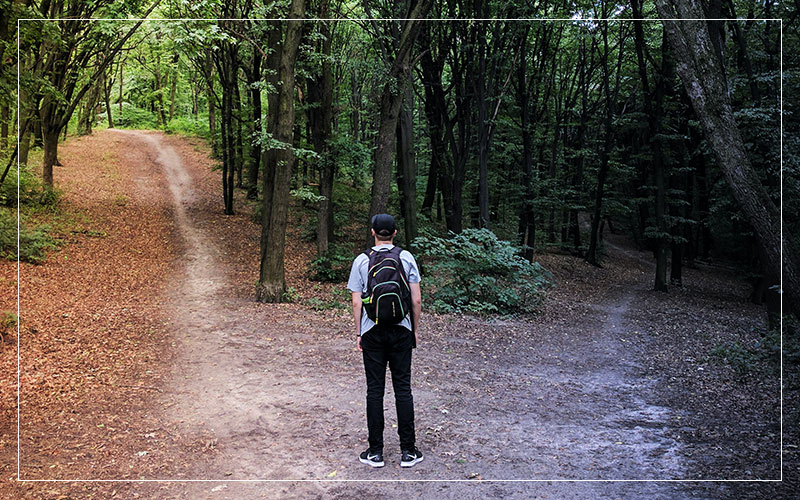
[(475, 272), (765, 354), (35, 240)]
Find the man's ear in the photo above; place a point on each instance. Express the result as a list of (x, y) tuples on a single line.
[(394, 233), (372, 231)]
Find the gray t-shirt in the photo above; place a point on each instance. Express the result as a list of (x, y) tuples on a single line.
[(358, 281)]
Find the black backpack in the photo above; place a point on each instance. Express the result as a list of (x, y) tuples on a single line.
[(388, 296)]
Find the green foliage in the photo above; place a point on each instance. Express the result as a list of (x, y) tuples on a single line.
[(290, 295), (339, 300), (32, 192), (352, 160), (8, 320), (333, 266), (305, 193), (131, 117), (34, 242), (187, 126), (476, 272), (764, 354)]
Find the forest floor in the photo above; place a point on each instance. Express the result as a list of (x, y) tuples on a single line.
[(144, 357)]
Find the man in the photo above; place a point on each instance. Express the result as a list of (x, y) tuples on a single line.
[(387, 343)]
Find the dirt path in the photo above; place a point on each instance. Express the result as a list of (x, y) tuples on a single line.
[(280, 388), (576, 394)]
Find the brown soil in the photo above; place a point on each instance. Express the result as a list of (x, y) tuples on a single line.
[(143, 356)]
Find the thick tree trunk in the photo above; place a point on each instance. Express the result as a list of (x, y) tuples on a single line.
[(391, 100), (706, 87), (406, 167), (50, 137), (272, 282)]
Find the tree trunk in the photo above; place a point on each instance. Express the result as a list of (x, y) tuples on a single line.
[(209, 77), (24, 145), (238, 115), (120, 88), (527, 216), (107, 99), (480, 80), (255, 150), (272, 282), (321, 130), (50, 136), (406, 166), (4, 127), (602, 174), (391, 100), (706, 87), (175, 59), (159, 85)]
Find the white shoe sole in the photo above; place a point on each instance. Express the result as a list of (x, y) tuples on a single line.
[(412, 463), (370, 462)]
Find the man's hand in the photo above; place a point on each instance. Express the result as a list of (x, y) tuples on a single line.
[(359, 342)]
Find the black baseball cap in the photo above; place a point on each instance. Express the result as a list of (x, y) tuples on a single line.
[(383, 224)]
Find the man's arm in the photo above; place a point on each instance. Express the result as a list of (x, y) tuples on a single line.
[(357, 305), (416, 306)]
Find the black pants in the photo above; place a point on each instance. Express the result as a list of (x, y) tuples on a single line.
[(392, 345)]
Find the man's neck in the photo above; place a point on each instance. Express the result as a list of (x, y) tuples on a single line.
[(379, 242)]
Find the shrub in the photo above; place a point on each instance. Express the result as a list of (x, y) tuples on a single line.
[(34, 242), (765, 354), (31, 189), (476, 272), (131, 117), (333, 266), (187, 126)]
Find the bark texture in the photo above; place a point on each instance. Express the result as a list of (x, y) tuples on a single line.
[(272, 281)]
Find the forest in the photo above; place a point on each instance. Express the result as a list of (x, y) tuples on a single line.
[(511, 140)]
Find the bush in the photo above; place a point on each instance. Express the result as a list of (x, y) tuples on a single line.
[(333, 266), (765, 354), (477, 273), (31, 190), (187, 126), (34, 242), (131, 117)]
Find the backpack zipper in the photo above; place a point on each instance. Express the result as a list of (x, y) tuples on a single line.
[(381, 262), (399, 301)]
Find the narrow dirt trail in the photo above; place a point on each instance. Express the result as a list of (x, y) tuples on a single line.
[(280, 391)]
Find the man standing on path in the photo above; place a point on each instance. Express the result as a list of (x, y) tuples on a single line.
[(387, 335)]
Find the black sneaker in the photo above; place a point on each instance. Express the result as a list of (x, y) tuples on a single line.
[(371, 459), (410, 458)]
